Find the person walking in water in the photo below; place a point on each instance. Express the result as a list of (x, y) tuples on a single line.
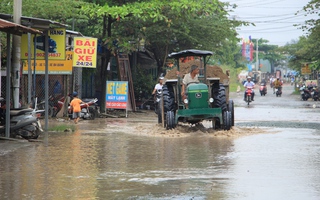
[(75, 107)]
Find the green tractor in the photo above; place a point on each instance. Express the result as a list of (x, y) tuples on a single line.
[(207, 100)]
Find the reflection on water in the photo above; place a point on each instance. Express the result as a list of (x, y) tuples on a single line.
[(114, 165)]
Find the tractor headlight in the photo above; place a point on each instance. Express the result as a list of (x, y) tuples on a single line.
[(186, 101), (211, 100)]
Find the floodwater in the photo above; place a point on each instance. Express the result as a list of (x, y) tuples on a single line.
[(119, 158)]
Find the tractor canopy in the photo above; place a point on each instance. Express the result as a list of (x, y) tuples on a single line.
[(190, 52)]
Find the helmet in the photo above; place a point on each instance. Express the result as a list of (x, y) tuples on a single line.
[(161, 77), (74, 94), (248, 77)]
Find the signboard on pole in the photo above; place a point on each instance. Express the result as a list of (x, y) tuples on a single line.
[(57, 45), (305, 70), (85, 52), (117, 94)]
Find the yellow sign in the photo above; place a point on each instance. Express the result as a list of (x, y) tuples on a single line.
[(57, 45), (305, 70), (85, 52), (54, 66)]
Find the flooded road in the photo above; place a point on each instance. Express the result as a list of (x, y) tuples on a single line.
[(273, 152)]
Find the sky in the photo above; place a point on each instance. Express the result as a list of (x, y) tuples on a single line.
[(274, 19)]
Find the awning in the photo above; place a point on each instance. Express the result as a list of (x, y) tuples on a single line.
[(16, 29)]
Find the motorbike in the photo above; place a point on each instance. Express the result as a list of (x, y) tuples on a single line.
[(88, 110), (315, 94), (278, 91), (263, 89), (305, 93), (55, 105), (24, 122), (157, 99), (249, 92)]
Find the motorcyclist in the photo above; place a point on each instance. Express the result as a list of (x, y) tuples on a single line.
[(277, 84), (249, 84)]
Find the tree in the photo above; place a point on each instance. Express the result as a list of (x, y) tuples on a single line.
[(164, 26)]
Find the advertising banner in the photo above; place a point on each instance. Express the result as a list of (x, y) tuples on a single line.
[(85, 52), (57, 45), (54, 66), (117, 94)]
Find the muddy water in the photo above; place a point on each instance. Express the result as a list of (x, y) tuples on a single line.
[(136, 159)]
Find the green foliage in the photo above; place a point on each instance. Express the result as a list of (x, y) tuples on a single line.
[(143, 82), (62, 128)]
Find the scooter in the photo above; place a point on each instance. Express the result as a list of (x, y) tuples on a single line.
[(305, 93), (263, 89), (55, 105), (278, 91), (23, 122), (87, 111), (315, 94), (249, 94)]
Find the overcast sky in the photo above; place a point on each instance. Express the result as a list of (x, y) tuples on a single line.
[(274, 19)]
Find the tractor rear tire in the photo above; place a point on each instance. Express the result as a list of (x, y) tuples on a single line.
[(219, 96), (168, 98)]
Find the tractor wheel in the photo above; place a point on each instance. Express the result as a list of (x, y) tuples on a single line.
[(231, 110), (159, 112), (168, 98), (170, 120), (219, 96), (227, 120)]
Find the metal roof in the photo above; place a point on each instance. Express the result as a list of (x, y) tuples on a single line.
[(35, 22), (74, 33), (16, 29)]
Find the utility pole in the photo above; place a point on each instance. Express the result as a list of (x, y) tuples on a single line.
[(257, 56), (16, 44)]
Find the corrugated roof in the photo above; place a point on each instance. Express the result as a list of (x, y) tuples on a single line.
[(16, 29), (35, 22)]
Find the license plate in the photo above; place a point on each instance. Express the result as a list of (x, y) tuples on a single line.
[(312, 93), (301, 92)]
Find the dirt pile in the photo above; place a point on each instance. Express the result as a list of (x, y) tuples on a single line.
[(212, 71)]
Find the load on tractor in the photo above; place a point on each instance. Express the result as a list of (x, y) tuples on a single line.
[(206, 100)]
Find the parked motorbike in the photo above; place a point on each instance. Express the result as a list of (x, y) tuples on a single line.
[(305, 93), (315, 94), (263, 89), (157, 99), (24, 123), (249, 94), (55, 105), (278, 91), (88, 110)]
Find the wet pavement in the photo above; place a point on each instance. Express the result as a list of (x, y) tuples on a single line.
[(273, 152)]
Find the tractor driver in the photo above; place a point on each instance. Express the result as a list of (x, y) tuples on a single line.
[(191, 77), (247, 84)]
